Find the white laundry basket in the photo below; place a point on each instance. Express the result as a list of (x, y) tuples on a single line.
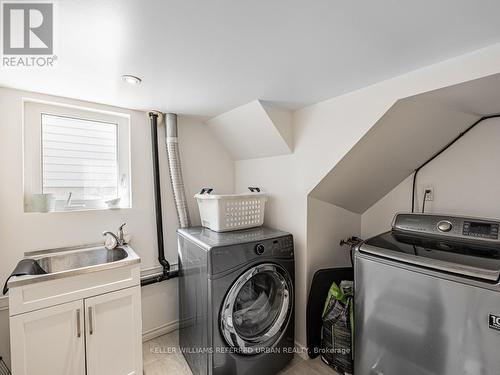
[(223, 213)]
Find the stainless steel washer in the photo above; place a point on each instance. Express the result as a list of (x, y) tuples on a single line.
[(427, 298), (236, 296)]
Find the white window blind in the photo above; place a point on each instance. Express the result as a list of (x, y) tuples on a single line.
[(79, 156)]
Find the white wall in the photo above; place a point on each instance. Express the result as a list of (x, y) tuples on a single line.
[(465, 180), (324, 133), (205, 162), (327, 225)]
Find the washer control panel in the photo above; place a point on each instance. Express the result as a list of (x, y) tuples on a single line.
[(449, 226), (228, 257), (480, 229)]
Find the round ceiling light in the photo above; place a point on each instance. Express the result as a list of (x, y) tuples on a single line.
[(130, 79)]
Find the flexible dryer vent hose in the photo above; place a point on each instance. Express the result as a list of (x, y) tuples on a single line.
[(174, 166)]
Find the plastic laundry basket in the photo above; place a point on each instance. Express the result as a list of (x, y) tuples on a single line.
[(223, 213)]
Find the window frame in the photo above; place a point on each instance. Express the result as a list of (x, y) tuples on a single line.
[(33, 111)]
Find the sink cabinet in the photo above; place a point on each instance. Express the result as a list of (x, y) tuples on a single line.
[(94, 336), (48, 341), (88, 323), (112, 327)]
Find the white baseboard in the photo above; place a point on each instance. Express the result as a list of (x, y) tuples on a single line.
[(301, 350), (160, 331)]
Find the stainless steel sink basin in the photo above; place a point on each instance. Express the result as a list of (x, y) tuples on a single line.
[(77, 260), (80, 259)]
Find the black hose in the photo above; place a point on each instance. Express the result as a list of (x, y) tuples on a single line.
[(159, 278), (423, 203), (153, 118)]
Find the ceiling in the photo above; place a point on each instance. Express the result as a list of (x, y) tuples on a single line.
[(207, 57)]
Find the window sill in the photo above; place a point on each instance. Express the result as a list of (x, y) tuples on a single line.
[(83, 209)]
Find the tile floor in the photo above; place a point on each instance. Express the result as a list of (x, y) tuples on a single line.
[(162, 356)]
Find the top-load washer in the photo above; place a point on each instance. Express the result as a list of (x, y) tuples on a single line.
[(427, 298), (236, 297)]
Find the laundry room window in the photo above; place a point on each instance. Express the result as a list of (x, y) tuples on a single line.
[(79, 156), (75, 159)]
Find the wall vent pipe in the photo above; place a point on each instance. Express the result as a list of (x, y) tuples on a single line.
[(174, 167)]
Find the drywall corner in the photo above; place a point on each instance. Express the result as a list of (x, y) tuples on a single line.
[(327, 225), (254, 130), (282, 120)]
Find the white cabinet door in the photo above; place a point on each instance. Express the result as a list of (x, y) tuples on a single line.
[(114, 328), (49, 341)]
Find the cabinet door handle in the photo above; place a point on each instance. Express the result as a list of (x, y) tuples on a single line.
[(91, 321), (78, 324)]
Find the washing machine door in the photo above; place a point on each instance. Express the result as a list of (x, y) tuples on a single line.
[(257, 309)]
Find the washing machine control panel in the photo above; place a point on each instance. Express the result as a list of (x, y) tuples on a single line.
[(227, 257), (283, 247), (448, 226)]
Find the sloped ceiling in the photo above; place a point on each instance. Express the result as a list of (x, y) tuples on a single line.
[(412, 131), (254, 130)]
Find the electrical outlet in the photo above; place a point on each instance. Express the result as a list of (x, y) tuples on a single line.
[(430, 193)]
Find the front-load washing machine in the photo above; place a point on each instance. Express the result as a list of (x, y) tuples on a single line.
[(236, 298)]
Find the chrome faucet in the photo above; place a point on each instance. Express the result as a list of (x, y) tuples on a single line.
[(119, 238)]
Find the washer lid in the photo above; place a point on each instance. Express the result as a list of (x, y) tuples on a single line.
[(463, 258)]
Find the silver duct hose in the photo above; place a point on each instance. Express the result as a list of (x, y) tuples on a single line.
[(174, 167)]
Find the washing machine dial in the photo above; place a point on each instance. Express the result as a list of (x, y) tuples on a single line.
[(259, 249), (444, 226)]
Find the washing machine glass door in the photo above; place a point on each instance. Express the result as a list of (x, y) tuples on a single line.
[(257, 309)]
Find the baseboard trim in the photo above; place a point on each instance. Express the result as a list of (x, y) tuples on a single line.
[(160, 331), (301, 350)]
